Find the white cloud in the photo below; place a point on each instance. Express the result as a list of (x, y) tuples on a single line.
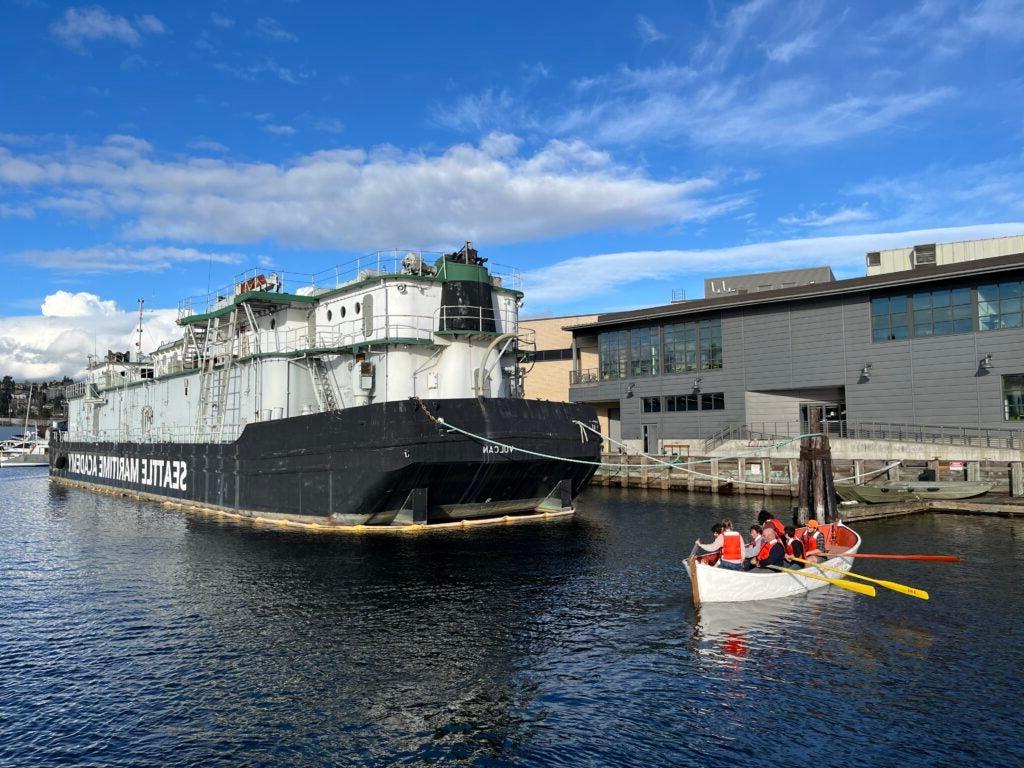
[(271, 29), (487, 110), (70, 326), (224, 22), (353, 198), (604, 274), (279, 130), (119, 258), (66, 304), (647, 31), (816, 219), (789, 50), (208, 145), (79, 26), (788, 113)]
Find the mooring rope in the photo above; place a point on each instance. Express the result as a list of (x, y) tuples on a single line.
[(681, 466)]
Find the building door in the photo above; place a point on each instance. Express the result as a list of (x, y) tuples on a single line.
[(650, 438), (614, 425)]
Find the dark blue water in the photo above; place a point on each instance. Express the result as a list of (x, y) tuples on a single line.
[(135, 635)]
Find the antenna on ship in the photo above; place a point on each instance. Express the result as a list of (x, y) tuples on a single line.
[(138, 344)]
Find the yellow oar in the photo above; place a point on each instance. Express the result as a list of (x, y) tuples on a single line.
[(863, 589), (894, 586)]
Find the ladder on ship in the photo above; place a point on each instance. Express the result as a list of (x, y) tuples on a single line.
[(322, 385), (215, 375)]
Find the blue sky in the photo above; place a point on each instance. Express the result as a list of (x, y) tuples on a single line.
[(613, 152)]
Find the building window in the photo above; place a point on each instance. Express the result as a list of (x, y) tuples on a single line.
[(940, 313), (999, 306), (613, 354), (680, 348), (710, 344), (678, 403), (1013, 397), (889, 318), (650, 404), (712, 401), (644, 346)]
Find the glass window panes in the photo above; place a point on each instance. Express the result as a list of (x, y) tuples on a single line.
[(613, 354), (644, 346), (677, 403), (999, 305), (889, 318), (651, 404), (712, 401), (680, 347), (1013, 397), (711, 344), (940, 313)]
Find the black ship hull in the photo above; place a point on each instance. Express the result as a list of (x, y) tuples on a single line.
[(382, 464)]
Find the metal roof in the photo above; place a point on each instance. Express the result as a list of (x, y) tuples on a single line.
[(773, 280), (979, 267)]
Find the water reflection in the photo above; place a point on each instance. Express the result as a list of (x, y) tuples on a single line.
[(134, 634)]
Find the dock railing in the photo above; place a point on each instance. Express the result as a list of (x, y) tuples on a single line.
[(970, 436)]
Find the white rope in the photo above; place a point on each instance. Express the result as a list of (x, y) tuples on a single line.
[(671, 465), (681, 464)]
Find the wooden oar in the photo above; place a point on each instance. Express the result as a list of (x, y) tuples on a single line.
[(927, 558), (894, 586), (863, 589)]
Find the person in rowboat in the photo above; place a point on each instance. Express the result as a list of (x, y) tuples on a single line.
[(794, 548), (772, 552), (814, 542), (766, 519), (733, 548), (715, 546), (756, 542)]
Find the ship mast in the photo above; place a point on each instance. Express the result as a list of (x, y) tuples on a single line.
[(138, 344)]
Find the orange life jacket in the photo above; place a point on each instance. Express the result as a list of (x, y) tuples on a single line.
[(732, 547), (787, 542), (779, 527), (765, 549), (810, 541)]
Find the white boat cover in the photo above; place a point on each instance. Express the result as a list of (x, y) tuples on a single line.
[(720, 585)]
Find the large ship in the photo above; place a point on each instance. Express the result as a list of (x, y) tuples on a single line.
[(386, 393)]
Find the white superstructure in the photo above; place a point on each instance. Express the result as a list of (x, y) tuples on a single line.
[(388, 327)]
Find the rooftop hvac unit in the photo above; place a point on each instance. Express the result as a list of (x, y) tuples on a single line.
[(923, 255)]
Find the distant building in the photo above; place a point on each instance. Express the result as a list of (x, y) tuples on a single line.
[(933, 344), (937, 254), (766, 281)]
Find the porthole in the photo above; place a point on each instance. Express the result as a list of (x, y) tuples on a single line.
[(357, 307), (342, 311), (329, 315), (273, 323)]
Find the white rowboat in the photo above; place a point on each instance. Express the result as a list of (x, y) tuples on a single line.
[(711, 584)]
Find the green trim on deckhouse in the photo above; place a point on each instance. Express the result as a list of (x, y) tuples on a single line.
[(452, 271)]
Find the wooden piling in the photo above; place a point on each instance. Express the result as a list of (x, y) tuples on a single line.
[(714, 475), (1016, 478), (766, 476), (741, 475)]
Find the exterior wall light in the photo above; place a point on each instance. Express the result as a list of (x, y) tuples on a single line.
[(986, 362), (865, 372), (696, 384), (629, 390)]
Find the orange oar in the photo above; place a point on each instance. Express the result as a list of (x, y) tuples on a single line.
[(927, 558)]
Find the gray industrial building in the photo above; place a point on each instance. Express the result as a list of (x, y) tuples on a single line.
[(932, 344)]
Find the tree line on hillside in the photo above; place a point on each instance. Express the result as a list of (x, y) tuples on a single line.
[(43, 399)]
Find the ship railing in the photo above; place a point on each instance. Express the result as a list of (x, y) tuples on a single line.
[(74, 390), (157, 434), (375, 329), (409, 261)]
